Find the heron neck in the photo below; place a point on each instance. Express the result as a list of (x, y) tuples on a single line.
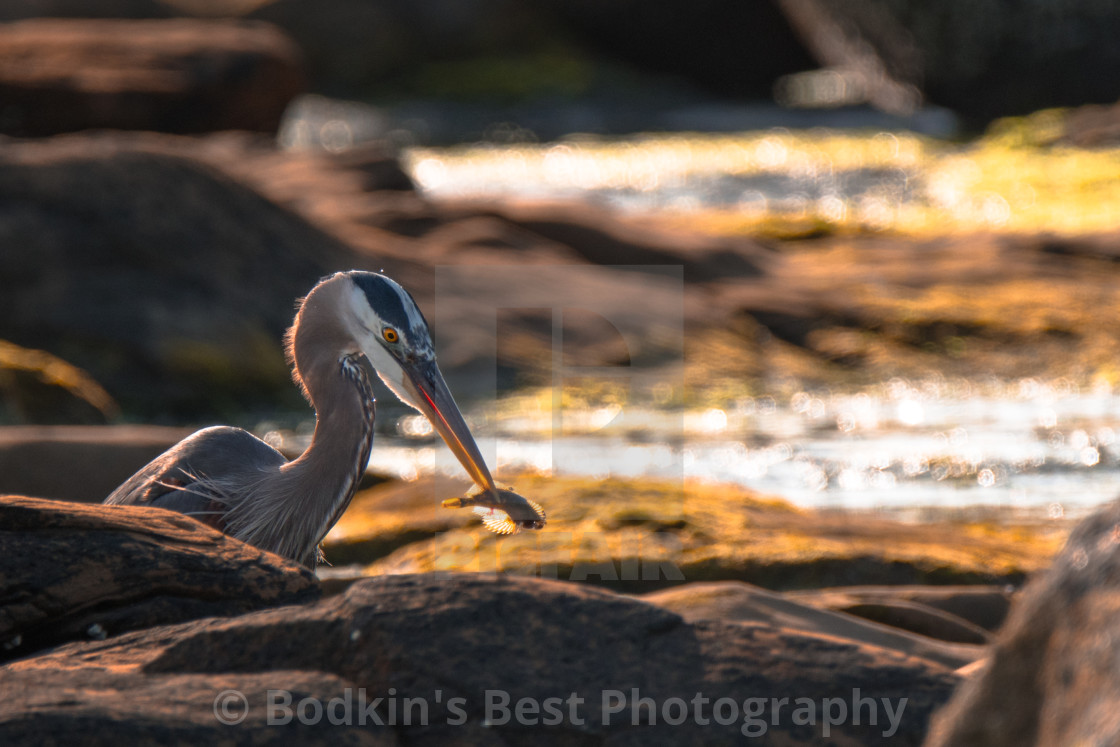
[(327, 366), (327, 474), (292, 508)]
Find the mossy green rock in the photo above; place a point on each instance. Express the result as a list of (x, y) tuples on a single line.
[(637, 536)]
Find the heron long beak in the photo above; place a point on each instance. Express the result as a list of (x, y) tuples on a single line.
[(437, 404)]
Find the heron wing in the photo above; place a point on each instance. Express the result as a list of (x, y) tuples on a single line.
[(201, 475)]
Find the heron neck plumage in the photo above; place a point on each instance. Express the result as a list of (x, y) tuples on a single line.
[(332, 374), (328, 472)]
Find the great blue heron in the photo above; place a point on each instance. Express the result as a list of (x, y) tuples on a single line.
[(235, 482)]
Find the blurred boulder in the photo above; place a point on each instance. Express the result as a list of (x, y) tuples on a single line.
[(74, 572), (165, 279), (1052, 676), (179, 75)]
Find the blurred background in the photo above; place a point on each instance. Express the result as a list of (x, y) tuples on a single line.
[(874, 241)]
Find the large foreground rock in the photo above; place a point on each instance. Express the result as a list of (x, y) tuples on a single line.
[(169, 76), (459, 646), (70, 571), (1053, 676)]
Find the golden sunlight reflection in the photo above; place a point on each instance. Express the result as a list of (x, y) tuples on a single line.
[(743, 182), (1032, 444), (414, 426)]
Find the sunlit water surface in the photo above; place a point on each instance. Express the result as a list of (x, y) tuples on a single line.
[(1024, 448)]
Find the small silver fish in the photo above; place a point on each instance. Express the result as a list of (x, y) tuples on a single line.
[(502, 510)]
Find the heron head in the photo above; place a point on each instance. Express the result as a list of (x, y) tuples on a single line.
[(392, 333), (388, 324)]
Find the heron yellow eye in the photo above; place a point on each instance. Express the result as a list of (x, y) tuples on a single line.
[(390, 335)]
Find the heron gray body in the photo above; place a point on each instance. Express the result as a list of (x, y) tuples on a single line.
[(233, 481)]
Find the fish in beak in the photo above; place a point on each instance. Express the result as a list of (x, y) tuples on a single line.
[(502, 510)]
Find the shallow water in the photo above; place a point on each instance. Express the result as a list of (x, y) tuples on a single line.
[(872, 180), (775, 172), (1023, 448)]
